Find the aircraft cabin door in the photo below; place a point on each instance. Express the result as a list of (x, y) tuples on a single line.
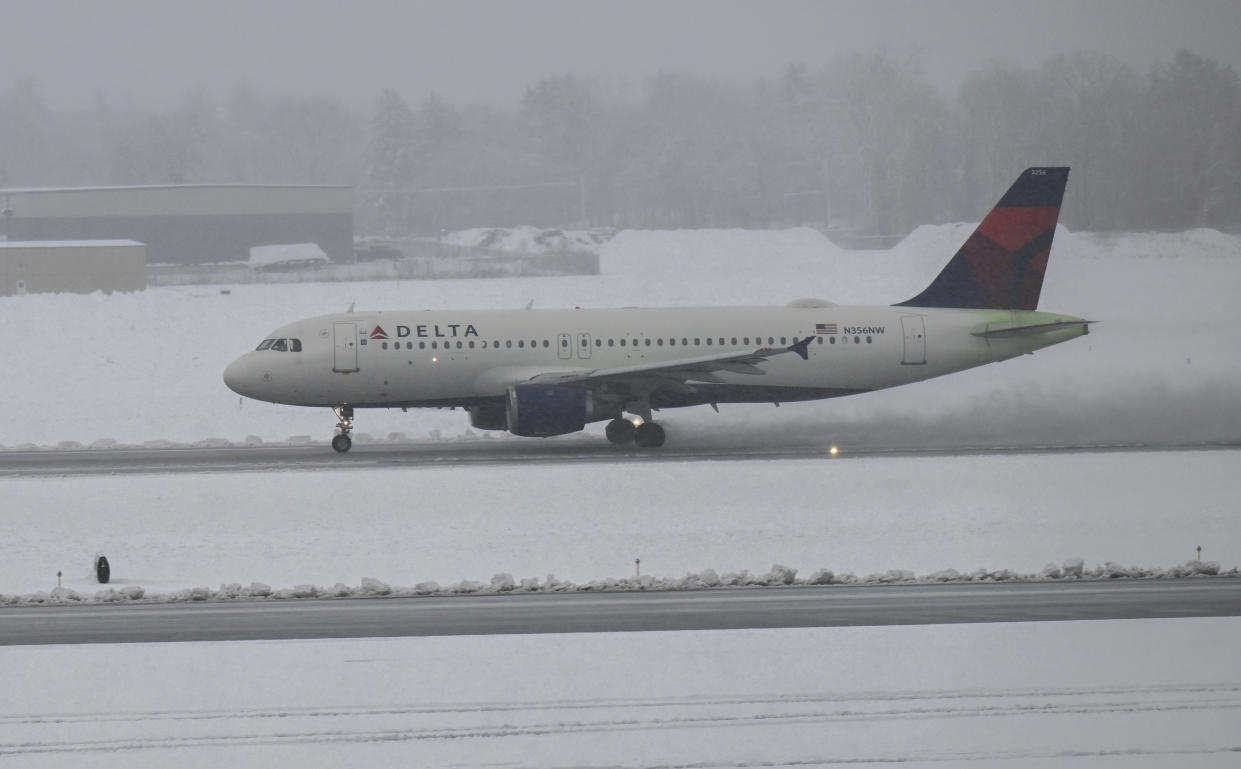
[(583, 345), (564, 346), (915, 340), (344, 347)]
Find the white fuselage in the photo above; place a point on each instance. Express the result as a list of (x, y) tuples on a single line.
[(471, 357)]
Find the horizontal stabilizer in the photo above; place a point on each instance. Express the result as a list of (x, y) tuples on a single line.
[(1000, 330)]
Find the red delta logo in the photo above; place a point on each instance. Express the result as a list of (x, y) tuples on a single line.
[(379, 333)]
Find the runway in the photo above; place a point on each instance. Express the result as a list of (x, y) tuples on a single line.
[(478, 452), (794, 607)]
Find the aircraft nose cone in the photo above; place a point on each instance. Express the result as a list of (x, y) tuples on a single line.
[(237, 377)]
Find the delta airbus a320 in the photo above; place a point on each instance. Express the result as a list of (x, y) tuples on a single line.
[(540, 373)]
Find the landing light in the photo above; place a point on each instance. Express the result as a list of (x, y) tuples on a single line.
[(833, 451)]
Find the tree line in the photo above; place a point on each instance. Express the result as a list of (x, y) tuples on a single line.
[(865, 146)]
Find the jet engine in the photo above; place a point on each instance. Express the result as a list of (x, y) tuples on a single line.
[(538, 411)]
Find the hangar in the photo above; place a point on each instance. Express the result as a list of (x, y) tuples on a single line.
[(74, 266), (186, 223)]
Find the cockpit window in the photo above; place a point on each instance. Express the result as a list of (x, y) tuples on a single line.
[(281, 345)]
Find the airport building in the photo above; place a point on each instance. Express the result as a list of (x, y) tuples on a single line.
[(76, 266), (186, 223)]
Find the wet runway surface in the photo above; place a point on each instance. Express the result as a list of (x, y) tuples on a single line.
[(829, 606), (116, 461)]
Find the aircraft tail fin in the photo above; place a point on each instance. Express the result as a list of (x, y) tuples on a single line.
[(1002, 264)]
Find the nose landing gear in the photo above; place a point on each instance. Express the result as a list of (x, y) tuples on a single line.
[(344, 423)]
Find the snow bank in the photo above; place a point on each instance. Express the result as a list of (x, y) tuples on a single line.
[(777, 576)]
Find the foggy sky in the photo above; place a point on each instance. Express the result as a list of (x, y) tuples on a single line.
[(488, 51)]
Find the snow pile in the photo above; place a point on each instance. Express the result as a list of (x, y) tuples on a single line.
[(778, 576), (531, 240), (287, 256)]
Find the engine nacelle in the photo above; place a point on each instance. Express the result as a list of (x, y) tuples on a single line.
[(489, 417), (538, 411)]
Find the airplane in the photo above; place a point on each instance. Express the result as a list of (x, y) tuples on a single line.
[(540, 373)]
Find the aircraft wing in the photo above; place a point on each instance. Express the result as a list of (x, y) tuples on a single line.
[(676, 373)]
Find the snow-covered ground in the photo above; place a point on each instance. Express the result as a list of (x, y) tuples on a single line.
[(1139, 693), (590, 522)]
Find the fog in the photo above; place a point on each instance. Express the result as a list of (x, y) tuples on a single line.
[(865, 118), (490, 50)]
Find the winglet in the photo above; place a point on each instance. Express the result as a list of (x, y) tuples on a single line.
[(802, 348)]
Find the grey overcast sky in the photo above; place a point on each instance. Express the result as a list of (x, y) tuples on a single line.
[(488, 51)]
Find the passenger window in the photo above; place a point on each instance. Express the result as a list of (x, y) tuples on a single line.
[(833, 340), (385, 346), (648, 341), (508, 343), (471, 344), (521, 344), (857, 340), (783, 340), (868, 340), (546, 343), (622, 342), (435, 345), (422, 345), (722, 341), (698, 343), (685, 342), (708, 341), (745, 341), (660, 342), (458, 345), (611, 342), (734, 341)]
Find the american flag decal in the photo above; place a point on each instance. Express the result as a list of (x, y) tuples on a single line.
[(825, 328)]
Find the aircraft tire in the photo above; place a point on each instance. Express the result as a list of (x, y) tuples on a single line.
[(620, 432), (342, 443), (649, 435)]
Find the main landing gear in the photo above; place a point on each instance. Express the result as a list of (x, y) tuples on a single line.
[(344, 423), (647, 435)]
